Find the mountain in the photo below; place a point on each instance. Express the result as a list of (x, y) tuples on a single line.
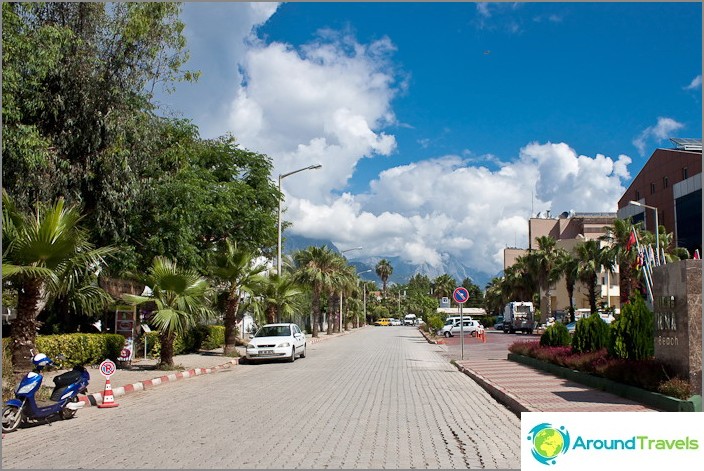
[(403, 271)]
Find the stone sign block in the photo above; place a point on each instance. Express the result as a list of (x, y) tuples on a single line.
[(677, 310)]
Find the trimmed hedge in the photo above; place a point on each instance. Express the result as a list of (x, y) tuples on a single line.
[(590, 334), (201, 337), (556, 335), (81, 349)]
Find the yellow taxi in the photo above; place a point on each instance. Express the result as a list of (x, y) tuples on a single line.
[(383, 321)]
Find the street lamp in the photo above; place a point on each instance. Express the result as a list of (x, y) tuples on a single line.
[(657, 227), (281, 177), (365, 296), (342, 252)]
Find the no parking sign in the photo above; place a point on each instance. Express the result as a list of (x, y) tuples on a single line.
[(107, 368)]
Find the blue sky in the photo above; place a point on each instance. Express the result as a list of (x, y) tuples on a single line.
[(442, 126)]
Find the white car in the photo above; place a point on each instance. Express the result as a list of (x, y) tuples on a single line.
[(396, 322), (470, 326), (277, 341)]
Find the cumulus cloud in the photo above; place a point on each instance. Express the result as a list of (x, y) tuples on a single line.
[(324, 102), (660, 131), (330, 102), (695, 84)]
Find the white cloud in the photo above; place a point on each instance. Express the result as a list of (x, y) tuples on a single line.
[(432, 210), (660, 131), (695, 84)]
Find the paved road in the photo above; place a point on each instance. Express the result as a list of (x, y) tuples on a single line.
[(377, 398)]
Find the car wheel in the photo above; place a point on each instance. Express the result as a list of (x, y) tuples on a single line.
[(474, 333), (448, 335), (292, 358), (303, 353)]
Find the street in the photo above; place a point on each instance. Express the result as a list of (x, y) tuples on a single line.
[(380, 397)]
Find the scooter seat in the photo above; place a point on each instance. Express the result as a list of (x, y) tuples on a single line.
[(67, 378)]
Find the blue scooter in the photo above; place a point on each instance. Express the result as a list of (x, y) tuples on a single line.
[(64, 398)]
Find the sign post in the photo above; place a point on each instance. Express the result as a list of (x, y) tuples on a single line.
[(461, 295)]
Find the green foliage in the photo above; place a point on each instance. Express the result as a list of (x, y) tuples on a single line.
[(556, 335), (676, 387), (590, 334), (632, 332), (81, 349), (200, 337), (215, 338), (8, 379), (434, 323)]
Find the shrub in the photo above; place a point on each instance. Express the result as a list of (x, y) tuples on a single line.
[(590, 334), (676, 387), (632, 333), (200, 337), (435, 323), (556, 335), (81, 349), (215, 338)]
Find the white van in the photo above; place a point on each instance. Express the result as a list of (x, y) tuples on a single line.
[(410, 319)]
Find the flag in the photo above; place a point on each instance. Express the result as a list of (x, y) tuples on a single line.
[(631, 240), (696, 254)]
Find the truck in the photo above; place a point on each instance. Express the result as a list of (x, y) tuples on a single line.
[(519, 316), (410, 319)]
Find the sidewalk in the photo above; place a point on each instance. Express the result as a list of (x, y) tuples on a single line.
[(525, 389), (142, 373)]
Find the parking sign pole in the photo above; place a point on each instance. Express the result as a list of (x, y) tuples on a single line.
[(461, 333)]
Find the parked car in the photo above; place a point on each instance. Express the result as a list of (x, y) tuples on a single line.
[(277, 341), (469, 327), (499, 323), (383, 321), (395, 321), (410, 319), (571, 326)]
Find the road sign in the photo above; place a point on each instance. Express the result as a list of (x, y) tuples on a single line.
[(460, 295), (107, 368)]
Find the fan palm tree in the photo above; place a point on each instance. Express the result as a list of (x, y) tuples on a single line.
[(618, 236), (383, 271), (444, 285), (316, 267), (44, 254), (544, 260), (591, 257), (281, 297), (566, 265), (238, 272), (181, 297)]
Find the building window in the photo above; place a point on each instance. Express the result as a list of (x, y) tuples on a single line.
[(652, 188), (685, 173), (665, 182), (637, 195)]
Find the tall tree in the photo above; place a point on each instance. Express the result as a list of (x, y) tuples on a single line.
[(567, 266), (77, 101), (591, 257), (476, 297), (239, 274), (384, 270), (544, 261), (282, 298), (44, 254), (181, 297), (444, 285), (316, 267), (623, 250)]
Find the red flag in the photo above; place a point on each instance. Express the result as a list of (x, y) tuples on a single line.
[(631, 240), (696, 254)]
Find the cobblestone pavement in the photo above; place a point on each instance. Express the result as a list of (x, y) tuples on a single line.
[(526, 389), (380, 397)]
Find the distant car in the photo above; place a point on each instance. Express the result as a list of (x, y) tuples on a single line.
[(395, 321), (571, 326), (410, 319), (383, 321), (277, 341), (499, 323), (470, 327)]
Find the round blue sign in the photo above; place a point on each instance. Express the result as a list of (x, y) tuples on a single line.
[(460, 295)]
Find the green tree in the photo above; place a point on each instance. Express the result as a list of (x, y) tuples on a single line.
[(383, 271), (591, 257), (238, 273), (476, 297), (544, 261), (444, 285), (181, 297), (45, 254), (77, 102), (568, 266), (617, 236), (282, 298), (316, 267), (494, 299)]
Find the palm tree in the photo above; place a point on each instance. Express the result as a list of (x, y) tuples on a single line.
[(44, 254), (181, 297), (543, 261), (315, 266), (618, 236), (591, 257), (384, 271), (281, 298), (240, 275), (566, 265), (444, 285), (493, 297)]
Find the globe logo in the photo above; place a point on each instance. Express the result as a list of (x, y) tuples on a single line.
[(548, 442)]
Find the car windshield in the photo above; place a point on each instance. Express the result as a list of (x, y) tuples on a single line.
[(274, 331)]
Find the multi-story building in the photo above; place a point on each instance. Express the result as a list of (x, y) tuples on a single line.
[(568, 230), (671, 182)]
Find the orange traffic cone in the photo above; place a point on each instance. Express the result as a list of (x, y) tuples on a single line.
[(108, 399)]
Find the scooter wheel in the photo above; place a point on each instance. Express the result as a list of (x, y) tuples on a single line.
[(67, 413), (12, 417)]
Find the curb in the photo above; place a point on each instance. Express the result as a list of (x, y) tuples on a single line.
[(97, 398), (500, 394)]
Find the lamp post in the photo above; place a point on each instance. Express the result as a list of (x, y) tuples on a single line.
[(281, 177), (657, 228), (365, 297), (342, 252)]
